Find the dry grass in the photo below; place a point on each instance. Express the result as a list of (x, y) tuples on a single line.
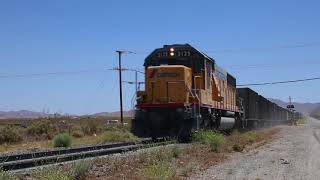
[(302, 121), (46, 144), (177, 162), (85, 131), (172, 161)]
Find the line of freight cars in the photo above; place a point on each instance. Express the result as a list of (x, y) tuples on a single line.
[(260, 112)]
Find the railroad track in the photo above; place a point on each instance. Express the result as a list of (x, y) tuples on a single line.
[(41, 158)]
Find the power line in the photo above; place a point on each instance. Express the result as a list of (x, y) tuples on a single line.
[(278, 65), (61, 73), (289, 46), (239, 50), (50, 74), (279, 82)]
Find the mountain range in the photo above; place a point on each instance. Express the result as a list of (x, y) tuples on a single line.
[(312, 109), (305, 108), (20, 114)]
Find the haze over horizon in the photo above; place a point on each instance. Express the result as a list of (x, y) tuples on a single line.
[(255, 41)]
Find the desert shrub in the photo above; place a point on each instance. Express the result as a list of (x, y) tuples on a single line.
[(303, 120), (52, 174), (186, 170), (117, 136), (43, 128), (121, 128), (90, 127), (213, 138), (176, 152), (81, 169), (10, 134), (159, 170), (77, 134), (161, 154), (251, 136), (216, 143), (4, 175), (62, 140), (238, 147)]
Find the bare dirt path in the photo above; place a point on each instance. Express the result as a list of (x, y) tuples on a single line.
[(294, 155)]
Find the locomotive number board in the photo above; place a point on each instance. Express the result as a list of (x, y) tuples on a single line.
[(174, 53)]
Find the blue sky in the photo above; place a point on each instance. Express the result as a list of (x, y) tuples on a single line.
[(56, 36)]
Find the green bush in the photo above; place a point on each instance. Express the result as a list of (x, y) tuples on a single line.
[(117, 136), (52, 174), (251, 136), (214, 139), (10, 134), (4, 175), (159, 170), (43, 128), (81, 169), (62, 140)]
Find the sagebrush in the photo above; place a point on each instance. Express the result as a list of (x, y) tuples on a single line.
[(62, 140), (10, 134), (43, 128)]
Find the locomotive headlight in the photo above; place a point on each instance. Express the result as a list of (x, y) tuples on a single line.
[(171, 53), (171, 49)]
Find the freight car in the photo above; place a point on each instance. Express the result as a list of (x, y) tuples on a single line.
[(260, 112), (186, 90)]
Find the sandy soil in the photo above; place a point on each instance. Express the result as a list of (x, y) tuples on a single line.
[(294, 155)]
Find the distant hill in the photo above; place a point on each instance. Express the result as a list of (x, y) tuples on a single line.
[(114, 114), (21, 114), (316, 113), (305, 108)]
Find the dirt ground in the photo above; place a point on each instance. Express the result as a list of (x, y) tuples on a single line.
[(294, 155)]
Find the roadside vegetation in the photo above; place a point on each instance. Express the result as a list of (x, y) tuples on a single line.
[(62, 140), (6, 175), (10, 134), (166, 162), (302, 120), (44, 133)]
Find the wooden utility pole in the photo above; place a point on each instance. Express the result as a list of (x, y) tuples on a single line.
[(120, 85), (120, 81)]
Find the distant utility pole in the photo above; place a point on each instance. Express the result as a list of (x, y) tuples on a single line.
[(291, 109), (120, 81), (136, 79)]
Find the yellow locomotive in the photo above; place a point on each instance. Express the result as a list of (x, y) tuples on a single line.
[(185, 90)]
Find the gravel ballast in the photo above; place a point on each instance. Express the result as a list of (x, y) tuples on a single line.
[(294, 155)]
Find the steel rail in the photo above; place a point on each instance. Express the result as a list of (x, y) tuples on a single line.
[(29, 160)]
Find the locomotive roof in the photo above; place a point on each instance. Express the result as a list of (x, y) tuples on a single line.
[(183, 54), (183, 48)]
